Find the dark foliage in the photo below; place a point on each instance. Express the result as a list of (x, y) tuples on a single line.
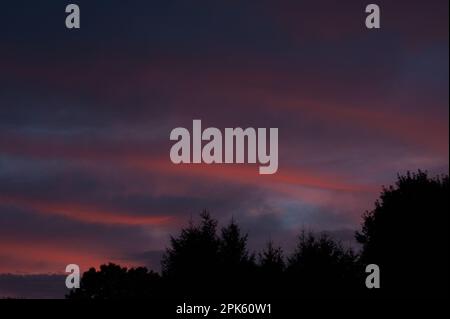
[(406, 235), (115, 282), (320, 267)]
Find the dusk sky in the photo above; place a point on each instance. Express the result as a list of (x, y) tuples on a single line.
[(85, 119)]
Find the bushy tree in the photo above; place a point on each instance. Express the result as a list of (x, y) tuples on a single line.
[(406, 235)]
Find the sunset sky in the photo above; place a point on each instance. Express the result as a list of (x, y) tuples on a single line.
[(85, 118)]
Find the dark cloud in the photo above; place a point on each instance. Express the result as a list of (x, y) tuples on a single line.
[(32, 286)]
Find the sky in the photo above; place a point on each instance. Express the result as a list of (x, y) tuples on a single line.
[(85, 119)]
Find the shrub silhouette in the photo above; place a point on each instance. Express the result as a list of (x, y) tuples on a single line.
[(116, 282), (406, 235)]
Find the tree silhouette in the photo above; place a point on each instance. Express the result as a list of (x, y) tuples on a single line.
[(191, 263), (321, 267), (271, 259), (196, 247), (200, 264), (237, 265), (116, 282), (406, 235), (271, 272), (233, 248)]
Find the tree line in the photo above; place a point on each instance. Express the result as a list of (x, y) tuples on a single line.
[(406, 235)]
